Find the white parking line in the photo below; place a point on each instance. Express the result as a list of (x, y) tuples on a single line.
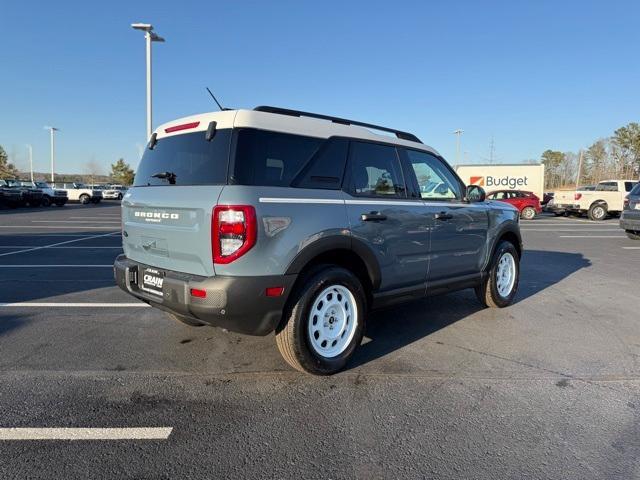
[(71, 304), (592, 236), (58, 248), (75, 221), (56, 244), (53, 266), (631, 248), (568, 230), (54, 226), (132, 433)]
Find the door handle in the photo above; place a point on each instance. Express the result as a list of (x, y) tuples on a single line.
[(373, 216), (443, 216)]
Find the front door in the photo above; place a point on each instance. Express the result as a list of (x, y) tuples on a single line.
[(458, 228), (392, 225)]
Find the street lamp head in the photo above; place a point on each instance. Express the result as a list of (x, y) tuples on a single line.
[(51, 128), (145, 27)]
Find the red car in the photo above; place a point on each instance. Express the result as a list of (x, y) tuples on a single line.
[(527, 203)]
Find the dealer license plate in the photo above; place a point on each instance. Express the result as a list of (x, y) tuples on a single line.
[(152, 281)]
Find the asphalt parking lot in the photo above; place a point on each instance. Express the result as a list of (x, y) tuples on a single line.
[(547, 388)]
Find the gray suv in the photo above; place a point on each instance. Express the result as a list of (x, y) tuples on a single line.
[(279, 220)]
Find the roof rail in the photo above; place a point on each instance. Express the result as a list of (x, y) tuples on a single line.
[(343, 121)]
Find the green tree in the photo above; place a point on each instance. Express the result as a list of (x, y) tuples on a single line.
[(596, 159), (627, 139), (7, 170), (122, 173)]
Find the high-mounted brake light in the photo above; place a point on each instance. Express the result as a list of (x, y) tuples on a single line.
[(577, 196), (184, 126), (233, 232)]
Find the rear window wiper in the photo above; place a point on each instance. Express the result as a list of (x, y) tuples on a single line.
[(169, 176)]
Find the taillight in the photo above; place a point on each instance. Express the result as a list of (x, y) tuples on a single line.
[(577, 196), (233, 232)]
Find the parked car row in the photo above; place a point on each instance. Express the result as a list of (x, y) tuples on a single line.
[(607, 197), (20, 193)]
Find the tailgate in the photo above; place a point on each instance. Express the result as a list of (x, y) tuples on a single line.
[(169, 227)]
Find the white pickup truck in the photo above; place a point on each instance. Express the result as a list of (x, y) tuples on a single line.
[(80, 192), (607, 197)]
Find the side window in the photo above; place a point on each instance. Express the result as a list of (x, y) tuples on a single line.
[(326, 168), (271, 158), (435, 180), (375, 171), (607, 187)]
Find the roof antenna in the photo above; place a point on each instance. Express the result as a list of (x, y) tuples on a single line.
[(216, 100)]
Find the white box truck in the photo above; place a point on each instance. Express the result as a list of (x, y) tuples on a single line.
[(512, 176)]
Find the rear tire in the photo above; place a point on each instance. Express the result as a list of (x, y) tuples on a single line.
[(84, 199), (633, 234), (324, 321), (500, 286), (597, 212), (528, 213)]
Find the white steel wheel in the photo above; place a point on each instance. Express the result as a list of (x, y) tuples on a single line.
[(333, 320), (505, 274)]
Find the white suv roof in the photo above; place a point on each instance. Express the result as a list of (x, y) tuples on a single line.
[(290, 121)]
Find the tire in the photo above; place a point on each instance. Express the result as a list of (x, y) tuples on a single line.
[(186, 320), (46, 201), (528, 213), (84, 199), (119, 196), (320, 348), (597, 212), (633, 234), (490, 293)]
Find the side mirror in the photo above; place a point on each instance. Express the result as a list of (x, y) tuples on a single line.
[(475, 193)]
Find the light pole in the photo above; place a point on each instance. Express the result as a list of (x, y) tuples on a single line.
[(458, 133), (53, 151), (30, 148), (150, 36)]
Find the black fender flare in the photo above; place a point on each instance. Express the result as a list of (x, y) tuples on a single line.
[(507, 227), (338, 242)]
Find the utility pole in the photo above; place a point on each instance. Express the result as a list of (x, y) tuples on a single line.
[(492, 150), (458, 133), (579, 168), (150, 36), (30, 148), (53, 151)]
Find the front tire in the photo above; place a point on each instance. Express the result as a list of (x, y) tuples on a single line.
[(499, 288), (324, 322), (46, 201), (597, 212), (84, 199), (633, 234)]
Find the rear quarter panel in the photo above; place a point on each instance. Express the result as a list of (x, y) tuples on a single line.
[(288, 221)]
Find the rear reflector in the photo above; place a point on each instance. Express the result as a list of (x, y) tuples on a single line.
[(275, 291), (184, 126), (196, 292)]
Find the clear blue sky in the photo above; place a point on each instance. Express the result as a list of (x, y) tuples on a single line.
[(534, 75)]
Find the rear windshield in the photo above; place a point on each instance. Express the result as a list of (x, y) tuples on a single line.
[(187, 159)]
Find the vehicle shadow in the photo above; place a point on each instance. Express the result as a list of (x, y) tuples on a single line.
[(389, 330)]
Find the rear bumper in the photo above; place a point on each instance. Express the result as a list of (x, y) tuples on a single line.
[(630, 220), (238, 304)]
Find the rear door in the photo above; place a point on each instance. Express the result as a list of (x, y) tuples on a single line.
[(458, 229), (382, 215), (167, 214)]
